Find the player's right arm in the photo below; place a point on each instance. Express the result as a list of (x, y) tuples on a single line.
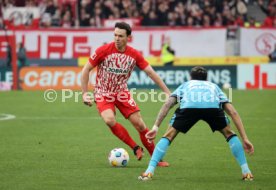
[(173, 99), (84, 83), (161, 116), (92, 62), (231, 111)]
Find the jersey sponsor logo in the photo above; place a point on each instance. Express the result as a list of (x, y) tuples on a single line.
[(117, 71), (118, 63)]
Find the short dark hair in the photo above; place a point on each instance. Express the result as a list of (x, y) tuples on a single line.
[(198, 73), (125, 26)]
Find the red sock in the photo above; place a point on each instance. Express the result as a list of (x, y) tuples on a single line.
[(149, 146), (119, 131)]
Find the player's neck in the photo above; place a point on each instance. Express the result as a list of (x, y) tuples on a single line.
[(121, 49)]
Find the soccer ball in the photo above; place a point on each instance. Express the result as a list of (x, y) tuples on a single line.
[(118, 157)]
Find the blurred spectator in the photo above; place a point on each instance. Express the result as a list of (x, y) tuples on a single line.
[(206, 22), (84, 18), (270, 11), (56, 20), (205, 13), (272, 55), (167, 54), (239, 20), (21, 55), (150, 19), (252, 23), (30, 3), (241, 9), (42, 6), (162, 18), (50, 7), (7, 3), (218, 22), (190, 21), (66, 16)]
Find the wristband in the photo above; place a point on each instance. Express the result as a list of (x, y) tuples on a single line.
[(155, 128)]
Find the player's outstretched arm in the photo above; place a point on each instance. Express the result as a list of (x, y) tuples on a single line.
[(161, 116), (155, 77), (231, 111), (84, 83)]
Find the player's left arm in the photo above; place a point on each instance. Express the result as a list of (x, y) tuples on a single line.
[(155, 77), (232, 112)]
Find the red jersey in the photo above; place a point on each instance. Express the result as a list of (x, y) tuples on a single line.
[(114, 67)]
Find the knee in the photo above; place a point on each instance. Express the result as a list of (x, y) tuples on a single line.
[(137, 122), (140, 127), (170, 134), (109, 121), (227, 132)]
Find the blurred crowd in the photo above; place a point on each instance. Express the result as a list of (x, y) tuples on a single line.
[(190, 13)]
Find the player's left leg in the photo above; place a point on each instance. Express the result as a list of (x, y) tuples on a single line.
[(159, 152), (238, 151), (137, 121)]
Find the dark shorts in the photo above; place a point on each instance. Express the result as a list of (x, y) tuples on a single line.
[(184, 119)]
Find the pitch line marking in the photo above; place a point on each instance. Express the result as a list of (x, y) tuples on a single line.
[(5, 116)]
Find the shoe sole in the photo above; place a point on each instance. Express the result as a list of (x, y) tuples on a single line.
[(141, 178)]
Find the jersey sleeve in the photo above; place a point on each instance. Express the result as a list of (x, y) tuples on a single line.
[(222, 97), (98, 56), (178, 93), (141, 62)]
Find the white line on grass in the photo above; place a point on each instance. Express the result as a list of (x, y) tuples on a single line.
[(5, 116)]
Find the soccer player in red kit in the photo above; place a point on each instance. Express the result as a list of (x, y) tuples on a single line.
[(115, 62)]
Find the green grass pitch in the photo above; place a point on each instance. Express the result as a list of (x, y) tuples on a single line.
[(64, 146)]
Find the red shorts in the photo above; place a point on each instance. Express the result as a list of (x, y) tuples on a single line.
[(123, 101)]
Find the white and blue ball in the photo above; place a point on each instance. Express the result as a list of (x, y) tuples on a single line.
[(118, 157)]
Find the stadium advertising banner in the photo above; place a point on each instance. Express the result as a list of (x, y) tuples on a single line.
[(42, 78), (175, 76), (66, 44), (257, 76), (257, 42)]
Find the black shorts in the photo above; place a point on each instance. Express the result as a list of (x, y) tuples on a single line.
[(184, 119)]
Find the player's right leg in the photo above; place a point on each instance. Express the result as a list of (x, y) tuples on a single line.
[(106, 109), (117, 129), (238, 152)]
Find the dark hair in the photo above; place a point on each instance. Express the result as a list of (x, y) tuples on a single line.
[(198, 73), (125, 26)]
